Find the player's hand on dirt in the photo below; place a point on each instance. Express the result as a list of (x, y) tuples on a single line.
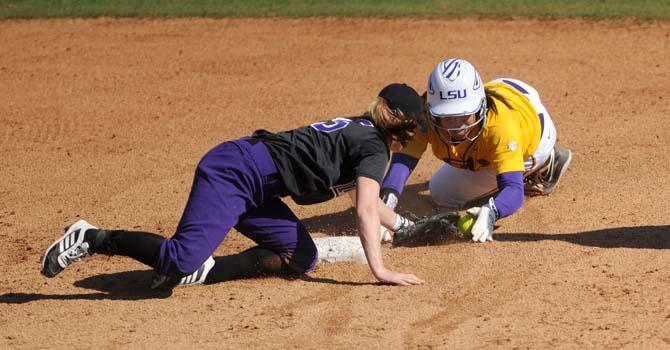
[(482, 230), (398, 278)]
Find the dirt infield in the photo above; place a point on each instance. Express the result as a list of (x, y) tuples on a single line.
[(106, 120)]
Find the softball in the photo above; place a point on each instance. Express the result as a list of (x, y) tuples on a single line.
[(465, 224)]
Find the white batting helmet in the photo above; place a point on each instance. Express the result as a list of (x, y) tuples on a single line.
[(456, 90)]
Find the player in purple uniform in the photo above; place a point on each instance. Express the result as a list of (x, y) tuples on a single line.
[(240, 184)]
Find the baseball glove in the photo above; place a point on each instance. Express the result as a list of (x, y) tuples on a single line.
[(439, 228)]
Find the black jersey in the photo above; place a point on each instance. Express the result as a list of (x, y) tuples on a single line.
[(323, 160)]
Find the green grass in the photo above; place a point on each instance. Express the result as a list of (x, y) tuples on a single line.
[(639, 9)]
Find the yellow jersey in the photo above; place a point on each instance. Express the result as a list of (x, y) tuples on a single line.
[(509, 137)]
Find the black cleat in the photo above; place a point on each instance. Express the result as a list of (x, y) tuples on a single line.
[(545, 180)]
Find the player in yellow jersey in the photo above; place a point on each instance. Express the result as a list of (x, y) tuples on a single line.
[(497, 139)]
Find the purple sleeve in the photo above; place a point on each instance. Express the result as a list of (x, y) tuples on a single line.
[(510, 197), (399, 171)]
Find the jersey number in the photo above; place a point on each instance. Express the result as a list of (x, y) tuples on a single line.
[(337, 124)]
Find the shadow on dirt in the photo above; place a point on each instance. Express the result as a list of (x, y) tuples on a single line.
[(127, 285), (641, 237), (231, 267), (133, 285), (344, 223), (307, 278)]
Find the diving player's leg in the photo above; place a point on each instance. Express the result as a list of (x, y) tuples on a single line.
[(456, 188)]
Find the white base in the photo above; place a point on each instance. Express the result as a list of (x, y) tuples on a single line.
[(340, 249)]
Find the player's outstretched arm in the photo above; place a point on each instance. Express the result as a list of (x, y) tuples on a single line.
[(368, 231), (400, 169), (387, 216)]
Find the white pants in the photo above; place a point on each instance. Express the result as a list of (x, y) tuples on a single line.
[(454, 187)]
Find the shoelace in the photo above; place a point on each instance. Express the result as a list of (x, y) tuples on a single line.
[(77, 253)]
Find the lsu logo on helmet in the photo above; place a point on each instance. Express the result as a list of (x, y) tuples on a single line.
[(451, 69)]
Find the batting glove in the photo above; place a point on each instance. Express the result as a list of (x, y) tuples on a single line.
[(403, 227), (487, 215), (390, 197)]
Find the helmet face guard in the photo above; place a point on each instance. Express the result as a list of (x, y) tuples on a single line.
[(445, 134)]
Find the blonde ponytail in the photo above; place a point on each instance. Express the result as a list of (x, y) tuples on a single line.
[(394, 123)]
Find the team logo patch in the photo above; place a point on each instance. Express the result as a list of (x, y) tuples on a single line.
[(512, 146), (451, 69)]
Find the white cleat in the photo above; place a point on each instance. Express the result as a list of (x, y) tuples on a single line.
[(198, 277), (64, 251)]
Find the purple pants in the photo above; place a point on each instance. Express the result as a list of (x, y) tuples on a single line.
[(236, 185)]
